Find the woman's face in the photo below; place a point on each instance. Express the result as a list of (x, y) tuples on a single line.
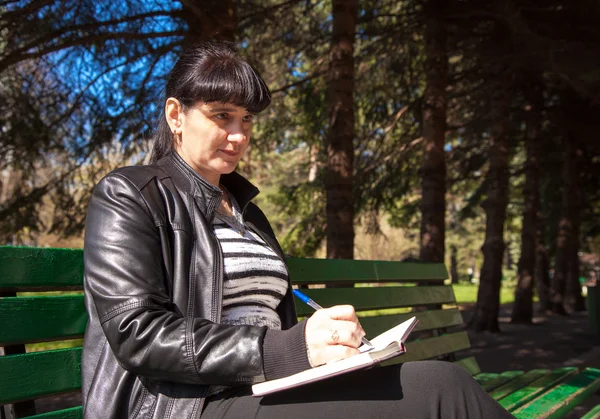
[(212, 136)]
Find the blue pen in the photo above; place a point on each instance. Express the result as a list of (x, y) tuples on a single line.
[(307, 300)]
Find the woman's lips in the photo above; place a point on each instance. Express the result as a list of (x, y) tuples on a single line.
[(230, 153)]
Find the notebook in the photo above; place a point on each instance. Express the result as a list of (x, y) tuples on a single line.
[(387, 345)]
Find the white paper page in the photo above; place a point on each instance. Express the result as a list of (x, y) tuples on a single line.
[(395, 334)]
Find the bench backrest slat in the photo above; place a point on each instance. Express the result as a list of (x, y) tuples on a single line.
[(428, 320), (39, 319), (23, 268), (39, 374), (435, 347), (378, 297), (315, 271), (70, 413)]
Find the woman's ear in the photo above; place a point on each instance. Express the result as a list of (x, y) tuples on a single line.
[(174, 115)]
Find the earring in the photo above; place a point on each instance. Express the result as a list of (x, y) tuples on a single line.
[(175, 137)]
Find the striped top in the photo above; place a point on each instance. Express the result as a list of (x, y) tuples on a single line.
[(255, 278)]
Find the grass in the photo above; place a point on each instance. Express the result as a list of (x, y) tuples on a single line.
[(467, 293), (60, 344)]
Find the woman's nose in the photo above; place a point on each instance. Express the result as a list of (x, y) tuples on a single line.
[(237, 137), (237, 132)]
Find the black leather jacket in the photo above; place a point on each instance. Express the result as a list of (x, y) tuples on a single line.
[(153, 290)]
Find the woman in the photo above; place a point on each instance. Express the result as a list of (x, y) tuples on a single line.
[(188, 294)]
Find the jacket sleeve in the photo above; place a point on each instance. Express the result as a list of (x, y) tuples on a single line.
[(148, 335)]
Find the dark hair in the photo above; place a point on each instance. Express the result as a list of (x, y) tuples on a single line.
[(210, 71)]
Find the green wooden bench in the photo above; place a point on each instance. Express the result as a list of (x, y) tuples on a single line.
[(384, 293)]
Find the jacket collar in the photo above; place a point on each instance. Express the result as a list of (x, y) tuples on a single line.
[(205, 193)]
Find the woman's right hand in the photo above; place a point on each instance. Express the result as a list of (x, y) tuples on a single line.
[(333, 333)]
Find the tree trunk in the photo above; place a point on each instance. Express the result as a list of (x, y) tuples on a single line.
[(542, 271), (565, 235), (485, 317), (523, 306), (453, 265), (340, 149), (210, 19), (558, 282), (433, 167), (574, 300)]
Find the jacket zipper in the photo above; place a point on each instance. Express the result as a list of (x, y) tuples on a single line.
[(217, 298), (217, 283)]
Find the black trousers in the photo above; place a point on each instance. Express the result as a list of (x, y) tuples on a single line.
[(427, 389)]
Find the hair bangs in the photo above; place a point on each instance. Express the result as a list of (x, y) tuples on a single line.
[(232, 81)]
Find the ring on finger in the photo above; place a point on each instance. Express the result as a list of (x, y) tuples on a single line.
[(335, 336)]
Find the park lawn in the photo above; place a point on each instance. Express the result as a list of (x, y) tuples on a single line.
[(467, 293)]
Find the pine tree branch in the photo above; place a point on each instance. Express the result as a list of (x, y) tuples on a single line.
[(85, 41), (299, 82), (158, 56), (86, 27), (75, 104), (27, 9), (258, 11), (395, 153)]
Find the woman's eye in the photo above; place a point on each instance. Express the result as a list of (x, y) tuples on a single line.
[(248, 118), (222, 116)]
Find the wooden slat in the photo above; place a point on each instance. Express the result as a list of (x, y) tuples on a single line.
[(484, 377), (505, 377), (592, 414), (26, 267), (33, 375), (70, 413), (433, 347), (36, 319), (529, 392), (470, 364), (312, 271), (428, 320), (377, 297), (519, 382), (558, 401), (30, 266)]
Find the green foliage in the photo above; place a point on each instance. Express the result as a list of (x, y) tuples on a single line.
[(303, 206), (294, 205), (81, 86)]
